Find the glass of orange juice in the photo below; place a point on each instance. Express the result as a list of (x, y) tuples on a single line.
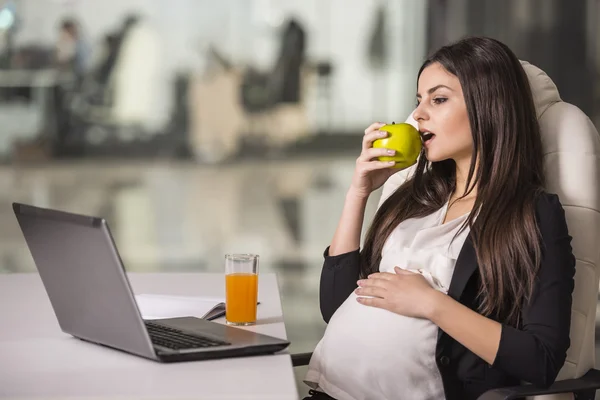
[(241, 288)]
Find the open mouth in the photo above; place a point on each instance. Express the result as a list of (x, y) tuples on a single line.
[(427, 136)]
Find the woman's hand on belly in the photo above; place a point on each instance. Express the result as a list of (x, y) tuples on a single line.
[(404, 293)]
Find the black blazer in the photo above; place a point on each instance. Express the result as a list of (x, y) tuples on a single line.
[(533, 353)]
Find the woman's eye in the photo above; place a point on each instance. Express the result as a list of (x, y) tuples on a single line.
[(439, 100)]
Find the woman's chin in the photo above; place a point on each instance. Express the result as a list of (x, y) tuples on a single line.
[(432, 157), (436, 156)]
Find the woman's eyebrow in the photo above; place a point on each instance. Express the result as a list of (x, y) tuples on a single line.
[(433, 89)]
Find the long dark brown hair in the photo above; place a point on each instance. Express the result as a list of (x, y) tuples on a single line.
[(509, 177)]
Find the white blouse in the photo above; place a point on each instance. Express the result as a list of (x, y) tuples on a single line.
[(371, 353)]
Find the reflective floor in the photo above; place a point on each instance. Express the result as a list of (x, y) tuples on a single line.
[(185, 217)]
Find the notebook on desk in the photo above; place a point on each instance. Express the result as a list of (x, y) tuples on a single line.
[(158, 306), (90, 293)]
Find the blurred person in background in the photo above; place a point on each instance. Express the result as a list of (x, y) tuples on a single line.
[(71, 58), (72, 50), (408, 318)]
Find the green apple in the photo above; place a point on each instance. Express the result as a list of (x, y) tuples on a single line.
[(405, 139)]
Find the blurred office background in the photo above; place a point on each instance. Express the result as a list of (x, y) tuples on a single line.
[(202, 127)]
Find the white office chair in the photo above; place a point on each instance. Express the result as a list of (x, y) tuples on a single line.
[(571, 159)]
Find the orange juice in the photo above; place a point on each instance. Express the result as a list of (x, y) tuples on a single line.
[(241, 292)]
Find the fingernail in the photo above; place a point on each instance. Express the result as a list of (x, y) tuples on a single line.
[(391, 152), (382, 134), (391, 162)]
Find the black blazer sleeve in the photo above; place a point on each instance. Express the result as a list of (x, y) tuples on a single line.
[(536, 352), (338, 279)]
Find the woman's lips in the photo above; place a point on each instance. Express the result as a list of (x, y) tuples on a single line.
[(427, 137)]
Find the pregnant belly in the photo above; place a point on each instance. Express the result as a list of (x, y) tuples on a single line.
[(392, 352)]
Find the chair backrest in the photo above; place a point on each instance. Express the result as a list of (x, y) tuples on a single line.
[(571, 160)]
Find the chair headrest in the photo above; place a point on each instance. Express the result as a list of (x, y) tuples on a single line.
[(545, 92)]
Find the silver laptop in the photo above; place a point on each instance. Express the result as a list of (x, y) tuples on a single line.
[(87, 285)]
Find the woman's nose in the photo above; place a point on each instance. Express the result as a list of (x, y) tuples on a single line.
[(420, 113)]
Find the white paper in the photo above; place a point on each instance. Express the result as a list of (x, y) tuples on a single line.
[(155, 306)]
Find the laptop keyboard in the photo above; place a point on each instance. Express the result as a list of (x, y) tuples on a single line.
[(176, 339)]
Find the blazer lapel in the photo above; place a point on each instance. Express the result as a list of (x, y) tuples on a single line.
[(466, 265)]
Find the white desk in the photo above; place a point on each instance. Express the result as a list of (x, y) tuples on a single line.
[(29, 78), (25, 121), (37, 360)]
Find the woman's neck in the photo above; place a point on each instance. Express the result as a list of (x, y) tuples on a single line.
[(462, 173)]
